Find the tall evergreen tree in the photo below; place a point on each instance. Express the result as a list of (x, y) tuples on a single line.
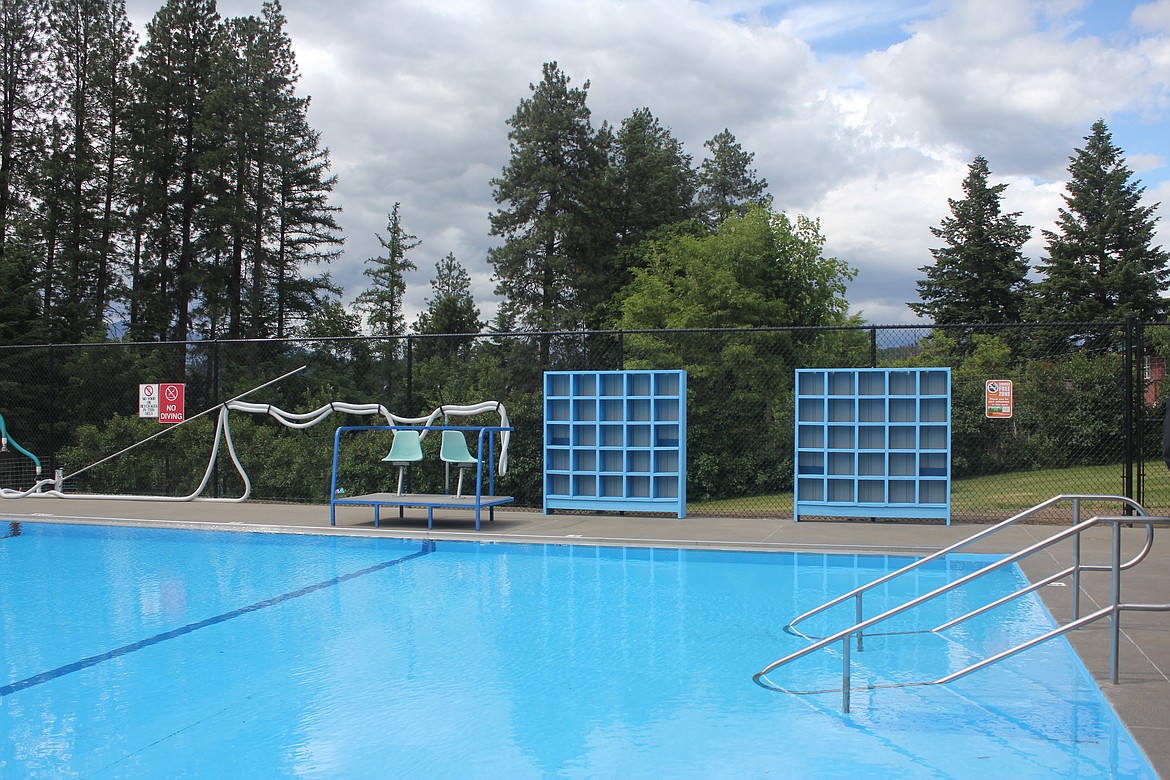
[(24, 87), (980, 273), (549, 265), (1102, 263), (174, 74), (450, 309), (381, 302), (655, 184), (90, 50), (727, 182)]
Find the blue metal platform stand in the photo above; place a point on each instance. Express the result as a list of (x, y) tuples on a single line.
[(429, 500)]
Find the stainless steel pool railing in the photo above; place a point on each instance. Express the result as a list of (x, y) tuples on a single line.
[(1116, 566)]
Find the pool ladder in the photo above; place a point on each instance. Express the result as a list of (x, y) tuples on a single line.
[(854, 634)]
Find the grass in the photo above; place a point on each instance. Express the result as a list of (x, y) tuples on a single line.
[(1001, 494)]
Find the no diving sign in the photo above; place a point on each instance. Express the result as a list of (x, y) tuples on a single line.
[(164, 401), (170, 403)]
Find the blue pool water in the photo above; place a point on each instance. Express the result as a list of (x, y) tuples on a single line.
[(146, 653)]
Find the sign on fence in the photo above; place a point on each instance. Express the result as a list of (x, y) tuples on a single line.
[(148, 400), (998, 403), (170, 404)]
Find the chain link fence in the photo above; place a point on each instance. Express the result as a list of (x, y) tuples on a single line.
[(1089, 404)]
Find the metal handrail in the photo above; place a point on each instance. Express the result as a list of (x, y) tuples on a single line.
[(1115, 567), (858, 592)]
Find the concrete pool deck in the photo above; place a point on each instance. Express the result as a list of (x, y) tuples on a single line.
[(1141, 698)]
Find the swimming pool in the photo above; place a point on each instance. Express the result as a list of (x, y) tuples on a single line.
[(130, 652)]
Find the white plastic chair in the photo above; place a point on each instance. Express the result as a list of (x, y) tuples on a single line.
[(454, 451), (404, 450)]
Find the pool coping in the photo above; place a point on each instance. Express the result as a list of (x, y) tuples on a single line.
[(1139, 699)]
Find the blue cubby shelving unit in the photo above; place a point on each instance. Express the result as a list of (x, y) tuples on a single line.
[(873, 443), (615, 441)]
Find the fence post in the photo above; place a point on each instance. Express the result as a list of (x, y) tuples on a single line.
[(873, 347), (410, 375), (1129, 415)]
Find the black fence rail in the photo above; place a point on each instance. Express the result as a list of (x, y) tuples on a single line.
[(1089, 404)]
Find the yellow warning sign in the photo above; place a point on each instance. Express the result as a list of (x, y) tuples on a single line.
[(998, 398)]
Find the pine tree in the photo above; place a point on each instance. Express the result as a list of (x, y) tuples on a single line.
[(655, 184), (1102, 264), (90, 51), (727, 183), (23, 87), (549, 265), (979, 274), (174, 75), (450, 309), (381, 302)]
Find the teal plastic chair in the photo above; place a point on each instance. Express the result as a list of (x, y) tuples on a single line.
[(404, 450), (455, 452)]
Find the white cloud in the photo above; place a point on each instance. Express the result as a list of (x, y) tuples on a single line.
[(412, 98)]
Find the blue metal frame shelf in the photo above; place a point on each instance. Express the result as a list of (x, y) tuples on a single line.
[(615, 441), (873, 443)]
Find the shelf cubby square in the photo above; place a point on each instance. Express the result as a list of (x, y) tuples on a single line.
[(585, 384), (902, 410), (841, 490), (638, 461), (871, 410), (611, 486), (933, 410), (666, 409), (841, 382), (666, 487), (666, 461), (810, 489), (841, 464), (558, 460), (841, 410), (612, 460), (902, 464), (558, 484), (811, 410), (558, 384), (613, 384), (903, 383), (902, 491), (638, 436), (666, 383), (932, 491), (584, 460), (637, 384), (903, 437), (871, 464), (612, 436), (585, 484), (932, 464), (558, 410), (811, 383), (934, 437), (585, 409), (810, 463), (871, 491), (841, 437), (612, 409), (558, 435), (638, 409), (666, 435), (871, 437), (871, 383), (934, 383), (584, 435), (638, 487), (810, 436)]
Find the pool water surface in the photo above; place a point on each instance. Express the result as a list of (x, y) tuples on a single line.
[(130, 652)]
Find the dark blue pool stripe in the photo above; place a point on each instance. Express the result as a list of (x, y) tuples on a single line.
[(93, 660)]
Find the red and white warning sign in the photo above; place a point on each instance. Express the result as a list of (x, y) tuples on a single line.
[(170, 402)]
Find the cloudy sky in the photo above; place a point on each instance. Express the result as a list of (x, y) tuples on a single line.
[(861, 113)]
